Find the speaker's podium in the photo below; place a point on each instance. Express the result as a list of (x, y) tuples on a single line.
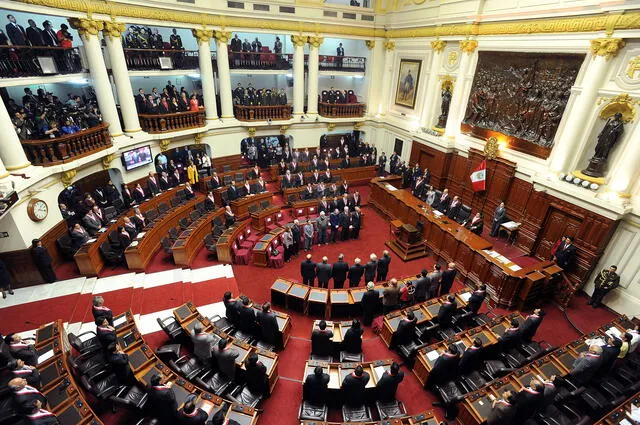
[(408, 243)]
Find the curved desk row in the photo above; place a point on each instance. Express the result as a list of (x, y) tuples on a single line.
[(226, 241), (476, 405), (88, 257), (187, 316), (426, 418), (352, 175), (145, 364), (617, 416), (241, 207), (186, 247), (65, 398), (139, 254), (274, 170), (474, 257)]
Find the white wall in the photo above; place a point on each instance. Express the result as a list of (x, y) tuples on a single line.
[(352, 47), (267, 40), (22, 17)]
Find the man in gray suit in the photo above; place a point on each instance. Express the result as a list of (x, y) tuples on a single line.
[(433, 280), (91, 223), (323, 225), (499, 217), (202, 344), (308, 235), (421, 287), (226, 358), (586, 366), (323, 271)]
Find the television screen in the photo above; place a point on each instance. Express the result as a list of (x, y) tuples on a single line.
[(137, 157)]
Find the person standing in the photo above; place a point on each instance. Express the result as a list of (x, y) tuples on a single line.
[(295, 231), (370, 268), (340, 55), (530, 326), (446, 281), (339, 272), (323, 225), (383, 266), (334, 220), (323, 271), (433, 280), (308, 236), (565, 254), (5, 280), (308, 271), (355, 223), (355, 273), (42, 261), (390, 297), (499, 217), (287, 241), (370, 301)]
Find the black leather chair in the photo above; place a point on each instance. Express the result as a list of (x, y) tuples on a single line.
[(496, 369), (168, 352), (346, 357), (151, 215), (210, 245), (217, 221), (265, 346), (110, 255), (132, 397), (243, 395), (222, 323), (472, 381), (88, 364), (182, 195), (360, 413), (464, 214), (187, 367), (174, 234), (390, 409), (226, 180), (450, 394), (163, 208), (201, 208), (194, 215), (167, 246), (170, 327), (312, 412), (110, 212), (84, 345), (215, 382), (184, 223), (175, 202), (239, 178), (118, 204), (103, 385), (66, 246), (226, 168)]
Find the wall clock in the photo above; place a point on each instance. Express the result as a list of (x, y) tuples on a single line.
[(37, 210)]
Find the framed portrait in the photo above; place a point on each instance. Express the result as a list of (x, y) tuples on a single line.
[(408, 78)]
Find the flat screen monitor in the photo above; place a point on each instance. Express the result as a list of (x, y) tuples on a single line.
[(137, 157)]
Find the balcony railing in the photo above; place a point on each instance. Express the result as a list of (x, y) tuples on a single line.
[(262, 113), (67, 148), (138, 59), (164, 123), (24, 61), (259, 60), (341, 110), (342, 63)]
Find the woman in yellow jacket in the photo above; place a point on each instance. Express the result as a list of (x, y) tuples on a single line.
[(192, 173)]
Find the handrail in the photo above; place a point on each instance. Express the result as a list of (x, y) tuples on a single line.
[(342, 63), (20, 61), (259, 60), (341, 110), (263, 112), (63, 149), (151, 59), (162, 123)]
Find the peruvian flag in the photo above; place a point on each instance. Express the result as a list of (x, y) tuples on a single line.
[(479, 177)]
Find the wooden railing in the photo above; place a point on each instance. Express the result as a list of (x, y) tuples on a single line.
[(161, 59), (21, 61), (262, 113), (259, 60), (172, 122), (342, 63), (341, 110), (67, 148)]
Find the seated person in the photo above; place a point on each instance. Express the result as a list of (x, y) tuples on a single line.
[(321, 340), (210, 202), (353, 386), (188, 191), (69, 127), (25, 395), (39, 416), (472, 357), (190, 414), (352, 340), (106, 333), (21, 349), (315, 386), (388, 383), (475, 225)]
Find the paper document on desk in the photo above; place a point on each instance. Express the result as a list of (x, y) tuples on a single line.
[(141, 235), (134, 243), (389, 187), (515, 267), (511, 225), (437, 213), (466, 296), (595, 341), (634, 414), (379, 370), (433, 355), (624, 421), (494, 254), (503, 259), (119, 321), (614, 332), (45, 356), (90, 241)]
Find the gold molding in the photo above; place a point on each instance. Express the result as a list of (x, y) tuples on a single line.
[(299, 40), (389, 45), (197, 138), (251, 131), (113, 29), (222, 36), (606, 47), (283, 129), (597, 180), (106, 161), (17, 167), (622, 103), (633, 67), (7, 174), (358, 125), (164, 144), (86, 26), (315, 41), (67, 177), (438, 45), (491, 148), (370, 44), (203, 36), (331, 126), (468, 46)]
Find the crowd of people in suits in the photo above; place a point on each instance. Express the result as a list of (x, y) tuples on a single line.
[(337, 96), (182, 165), (252, 54), (250, 96), (169, 101), (45, 116), (375, 270), (17, 55)]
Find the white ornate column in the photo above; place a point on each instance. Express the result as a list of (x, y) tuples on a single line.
[(314, 64), (11, 152), (206, 72), (387, 74), (88, 30), (3, 171), (567, 145), (298, 74), (226, 97), (373, 74), (456, 112), (433, 85), (625, 173), (112, 34)]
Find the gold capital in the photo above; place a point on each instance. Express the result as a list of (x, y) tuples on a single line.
[(389, 45), (113, 29), (315, 41), (331, 126), (438, 45), (86, 26), (222, 36), (106, 161), (164, 144), (203, 36), (298, 40), (251, 131), (67, 177), (468, 46), (370, 44), (606, 47), (283, 129)]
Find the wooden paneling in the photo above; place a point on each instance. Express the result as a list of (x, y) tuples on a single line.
[(436, 161), (235, 161)]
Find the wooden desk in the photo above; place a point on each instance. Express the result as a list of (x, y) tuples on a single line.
[(297, 297), (284, 324), (138, 255), (425, 418), (88, 257), (616, 416), (261, 248), (188, 244), (279, 291), (452, 242), (224, 244), (240, 206), (337, 372), (264, 217), (317, 302)]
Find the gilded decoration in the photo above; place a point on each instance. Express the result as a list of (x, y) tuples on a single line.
[(164, 144), (606, 47), (468, 46), (197, 138), (315, 41), (106, 161), (491, 148), (283, 129), (86, 26), (452, 58), (203, 36), (438, 45), (299, 40), (358, 125), (370, 44), (623, 104), (633, 68), (389, 45), (222, 36), (67, 177), (331, 126), (251, 131), (113, 29)]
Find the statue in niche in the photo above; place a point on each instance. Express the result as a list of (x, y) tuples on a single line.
[(444, 106), (607, 139)]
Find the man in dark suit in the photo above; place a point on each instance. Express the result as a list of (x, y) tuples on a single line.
[(355, 273), (406, 330), (190, 414), (79, 236), (339, 272), (383, 266), (503, 410), (49, 35), (315, 386), (321, 340), (499, 217), (370, 269), (477, 298), (232, 307), (353, 386), (447, 278), (246, 315), (443, 202), (352, 340), (586, 365), (105, 332), (323, 271), (566, 253), (610, 352), (530, 326), (16, 33), (162, 400), (226, 358), (34, 34), (472, 357), (119, 363), (24, 395), (21, 350), (152, 185), (511, 338), (446, 311), (388, 383), (165, 183), (445, 367), (268, 325), (42, 261), (528, 401), (433, 280), (370, 302), (454, 208), (475, 225), (421, 286), (100, 311), (355, 221), (256, 375), (308, 271), (138, 194), (232, 192), (215, 182)]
